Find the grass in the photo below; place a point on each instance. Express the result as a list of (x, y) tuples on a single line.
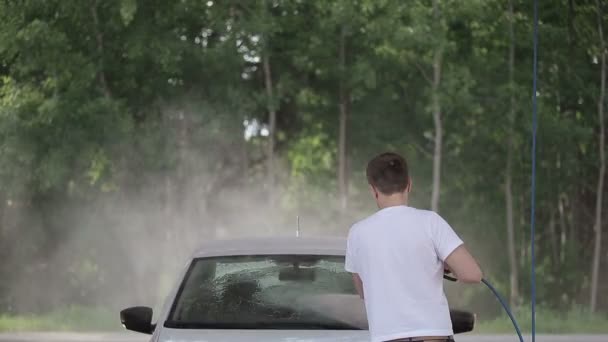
[(575, 321), (69, 319), (96, 319)]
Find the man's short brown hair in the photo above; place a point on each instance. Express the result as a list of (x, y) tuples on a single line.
[(388, 173)]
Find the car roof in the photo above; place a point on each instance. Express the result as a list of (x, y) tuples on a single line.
[(273, 246)]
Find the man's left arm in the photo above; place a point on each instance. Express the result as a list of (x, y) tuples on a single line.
[(351, 263), (358, 285)]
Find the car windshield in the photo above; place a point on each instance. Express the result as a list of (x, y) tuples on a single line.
[(268, 292)]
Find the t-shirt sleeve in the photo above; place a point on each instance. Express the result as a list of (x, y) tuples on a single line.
[(350, 263), (444, 237)]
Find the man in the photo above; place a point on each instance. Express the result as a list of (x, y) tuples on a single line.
[(398, 256)]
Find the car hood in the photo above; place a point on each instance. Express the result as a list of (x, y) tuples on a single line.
[(192, 335)]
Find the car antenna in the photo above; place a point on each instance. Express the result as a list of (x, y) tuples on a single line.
[(298, 226)]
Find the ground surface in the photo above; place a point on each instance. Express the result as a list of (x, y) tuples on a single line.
[(132, 337)]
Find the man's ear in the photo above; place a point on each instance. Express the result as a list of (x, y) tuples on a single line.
[(409, 185), (374, 191)]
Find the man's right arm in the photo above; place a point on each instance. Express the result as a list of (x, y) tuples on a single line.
[(451, 250), (463, 265)]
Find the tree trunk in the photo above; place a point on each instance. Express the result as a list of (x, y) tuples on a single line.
[(3, 209), (597, 250), (553, 240), (571, 15), (183, 162), (101, 75), (513, 275), (436, 107), (343, 133), (272, 121), (523, 245), (563, 229)]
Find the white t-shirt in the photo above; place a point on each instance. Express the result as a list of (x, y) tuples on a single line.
[(398, 252)]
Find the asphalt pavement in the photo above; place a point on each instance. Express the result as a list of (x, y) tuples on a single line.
[(134, 337)]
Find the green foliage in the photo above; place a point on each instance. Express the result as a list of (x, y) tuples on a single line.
[(574, 321), (69, 319), (109, 107)]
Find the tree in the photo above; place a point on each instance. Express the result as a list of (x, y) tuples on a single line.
[(513, 274), (597, 227), (272, 113), (344, 105), (436, 106)]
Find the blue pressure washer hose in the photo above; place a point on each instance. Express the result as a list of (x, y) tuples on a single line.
[(506, 307), (449, 277)]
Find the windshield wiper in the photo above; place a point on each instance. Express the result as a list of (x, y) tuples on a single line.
[(271, 325)]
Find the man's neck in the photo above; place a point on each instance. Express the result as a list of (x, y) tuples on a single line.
[(393, 201)]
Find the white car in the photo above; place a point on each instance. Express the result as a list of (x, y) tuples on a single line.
[(275, 289)]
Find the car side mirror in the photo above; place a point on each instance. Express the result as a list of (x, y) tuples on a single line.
[(138, 318), (462, 321)]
